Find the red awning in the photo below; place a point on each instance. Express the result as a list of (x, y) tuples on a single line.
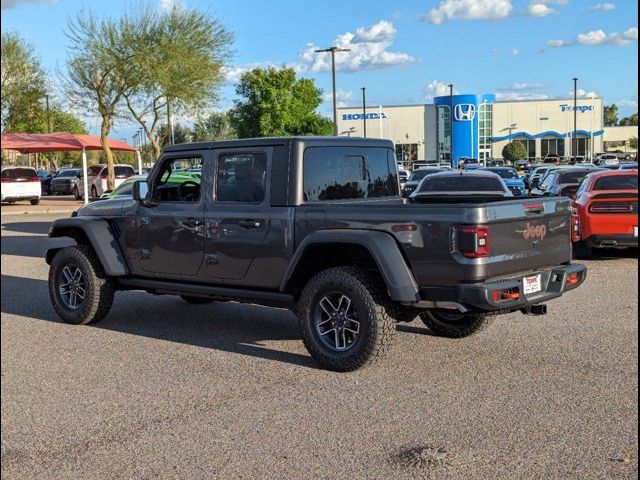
[(57, 142)]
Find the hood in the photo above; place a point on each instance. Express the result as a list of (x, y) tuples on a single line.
[(513, 182), (109, 206)]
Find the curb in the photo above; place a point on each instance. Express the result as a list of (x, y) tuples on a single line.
[(39, 212)]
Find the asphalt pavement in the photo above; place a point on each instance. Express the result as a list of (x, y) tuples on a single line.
[(163, 389)]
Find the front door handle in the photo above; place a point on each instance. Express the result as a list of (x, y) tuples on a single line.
[(250, 223), (191, 223)]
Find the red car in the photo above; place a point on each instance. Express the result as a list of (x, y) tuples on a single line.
[(606, 212)]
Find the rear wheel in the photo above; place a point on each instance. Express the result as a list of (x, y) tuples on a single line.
[(196, 300), (94, 192), (344, 320), (76, 193), (582, 251), (453, 324), (35, 201), (80, 291)]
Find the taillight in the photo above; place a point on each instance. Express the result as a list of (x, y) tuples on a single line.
[(575, 228), (474, 242), (103, 176), (611, 208), (34, 179), (8, 180), (573, 278), (404, 227)]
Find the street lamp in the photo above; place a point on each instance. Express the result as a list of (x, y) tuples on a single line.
[(333, 51), (364, 111), (451, 125), (574, 143)]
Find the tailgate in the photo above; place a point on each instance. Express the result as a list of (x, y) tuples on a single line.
[(527, 235)]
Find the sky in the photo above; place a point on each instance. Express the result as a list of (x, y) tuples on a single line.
[(402, 51)]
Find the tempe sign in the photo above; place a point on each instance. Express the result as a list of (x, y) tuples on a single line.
[(580, 108), (362, 116)]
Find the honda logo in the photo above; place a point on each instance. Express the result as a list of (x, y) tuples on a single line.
[(464, 112)]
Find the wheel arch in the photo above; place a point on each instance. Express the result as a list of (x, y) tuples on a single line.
[(370, 249), (95, 232)]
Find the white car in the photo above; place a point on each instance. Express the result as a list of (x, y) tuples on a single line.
[(607, 160), (20, 183), (97, 180)]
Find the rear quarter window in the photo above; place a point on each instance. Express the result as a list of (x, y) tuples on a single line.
[(622, 182), (348, 173)]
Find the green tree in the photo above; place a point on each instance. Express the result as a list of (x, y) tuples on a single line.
[(610, 115), (631, 121), (22, 78), (633, 143), (98, 76), (217, 126), (273, 102), (180, 61), (514, 151), (61, 121)]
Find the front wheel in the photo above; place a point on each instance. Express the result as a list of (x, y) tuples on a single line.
[(80, 291), (344, 319), (453, 324), (35, 201)]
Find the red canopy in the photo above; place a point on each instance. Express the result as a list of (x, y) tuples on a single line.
[(57, 142)]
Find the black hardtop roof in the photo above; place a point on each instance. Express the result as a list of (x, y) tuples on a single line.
[(275, 141)]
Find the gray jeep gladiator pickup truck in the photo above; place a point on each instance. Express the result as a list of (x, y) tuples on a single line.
[(316, 225)]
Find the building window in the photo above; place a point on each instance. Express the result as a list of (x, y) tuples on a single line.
[(443, 126), (552, 146), (407, 153), (530, 145), (485, 130), (583, 146)]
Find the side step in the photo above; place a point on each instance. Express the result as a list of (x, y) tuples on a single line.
[(167, 287)]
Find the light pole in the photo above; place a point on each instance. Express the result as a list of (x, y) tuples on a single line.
[(451, 125), (333, 51), (364, 111), (574, 143)]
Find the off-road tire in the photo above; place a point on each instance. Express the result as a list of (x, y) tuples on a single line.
[(99, 287), (196, 300), (582, 251), (377, 327), (445, 323), (34, 201)]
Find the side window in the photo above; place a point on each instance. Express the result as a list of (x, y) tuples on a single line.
[(176, 183), (344, 173), (583, 187), (241, 177), (547, 181)]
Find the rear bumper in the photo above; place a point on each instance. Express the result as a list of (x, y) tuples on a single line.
[(612, 241), (63, 188), (480, 296)]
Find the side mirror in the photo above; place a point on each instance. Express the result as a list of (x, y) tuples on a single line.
[(140, 190)]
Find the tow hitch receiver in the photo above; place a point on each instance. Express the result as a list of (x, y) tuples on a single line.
[(535, 310)]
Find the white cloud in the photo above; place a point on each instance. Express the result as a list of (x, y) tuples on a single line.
[(539, 9), (582, 93), (343, 97), (513, 96), (602, 6), (8, 4), (167, 5), (557, 43), (469, 10), (524, 86), (600, 37), (437, 89), (368, 50), (628, 104), (515, 52)]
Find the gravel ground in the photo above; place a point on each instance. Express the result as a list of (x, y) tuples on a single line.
[(162, 389)]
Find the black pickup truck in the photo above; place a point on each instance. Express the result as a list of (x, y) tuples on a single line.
[(316, 225)]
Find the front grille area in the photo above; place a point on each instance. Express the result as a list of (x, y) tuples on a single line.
[(517, 191)]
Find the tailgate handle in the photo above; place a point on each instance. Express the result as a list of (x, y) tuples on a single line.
[(534, 207)]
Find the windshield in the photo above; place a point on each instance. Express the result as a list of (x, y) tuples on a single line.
[(68, 173), (506, 173), (461, 183), (573, 177), (622, 182), (420, 174)]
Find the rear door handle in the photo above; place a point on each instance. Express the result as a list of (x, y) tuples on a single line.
[(250, 223), (191, 223)]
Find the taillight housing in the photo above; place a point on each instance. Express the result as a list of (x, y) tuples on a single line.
[(103, 176), (575, 228), (611, 208), (8, 180), (474, 242)]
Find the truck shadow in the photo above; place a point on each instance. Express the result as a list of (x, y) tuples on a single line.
[(229, 327)]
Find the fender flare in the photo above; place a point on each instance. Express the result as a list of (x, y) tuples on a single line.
[(101, 238), (384, 249)]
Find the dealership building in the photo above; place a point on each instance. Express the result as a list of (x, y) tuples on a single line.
[(482, 126)]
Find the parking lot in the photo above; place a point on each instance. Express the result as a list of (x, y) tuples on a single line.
[(162, 389)]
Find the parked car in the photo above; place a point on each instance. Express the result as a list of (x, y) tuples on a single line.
[(511, 179), (477, 183), (578, 160), (416, 178), (45, 177), (64, 181), (20, 183), (444, 165), (97, 179), (623, 166), (535, 174), (308, 224), (606, 160), (523, 164), (606, 212), (562, 182), (403, 175), (553, 158)]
